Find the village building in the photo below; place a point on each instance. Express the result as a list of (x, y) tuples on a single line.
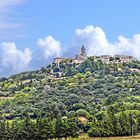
[(108, 59), (105, 58), (58, 60), (81, 57), (116, 59), (124, 58)]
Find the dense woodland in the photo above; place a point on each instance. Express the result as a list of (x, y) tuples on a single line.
[(92, 97)]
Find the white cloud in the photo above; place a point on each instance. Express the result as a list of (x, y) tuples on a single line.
[(96, 43), (13, 60), (50, 47), (6, 3), (93, 38), (12, 57), (7, 24)]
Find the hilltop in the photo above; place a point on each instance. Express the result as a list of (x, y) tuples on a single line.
[(102, 92)]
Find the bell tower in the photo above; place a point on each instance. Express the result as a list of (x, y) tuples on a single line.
[(83, 51)]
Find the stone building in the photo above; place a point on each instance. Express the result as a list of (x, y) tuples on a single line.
[(116, 59), (57, 60), (105, 58), (81, 57), (108, 59), (124, 58)]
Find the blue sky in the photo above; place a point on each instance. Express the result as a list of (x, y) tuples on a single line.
[(33, 32)]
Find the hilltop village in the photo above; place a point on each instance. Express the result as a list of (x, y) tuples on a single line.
[(64, 67), (59, 62), (104, 58)]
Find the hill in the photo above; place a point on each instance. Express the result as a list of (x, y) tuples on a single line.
[(98, 98)]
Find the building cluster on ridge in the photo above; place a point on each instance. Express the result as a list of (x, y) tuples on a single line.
[(116, 59), (77, 60), (104, 58)]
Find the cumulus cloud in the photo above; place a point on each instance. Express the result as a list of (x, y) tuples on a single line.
[(128, 46), (96, 43), (13, 59), (93, 38), (50, 47)]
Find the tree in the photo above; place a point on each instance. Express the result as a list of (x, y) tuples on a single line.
[(66, 128)]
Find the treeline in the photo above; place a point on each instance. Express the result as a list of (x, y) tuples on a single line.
[(106, 124), (39, 129), (124, 124)]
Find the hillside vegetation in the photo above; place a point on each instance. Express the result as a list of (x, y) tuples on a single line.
[(92, 97)]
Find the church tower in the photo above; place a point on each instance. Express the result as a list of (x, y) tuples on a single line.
[(83, 51), (81, 57)]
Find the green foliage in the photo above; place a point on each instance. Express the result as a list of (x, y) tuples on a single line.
[(41, 128), (105, 96)]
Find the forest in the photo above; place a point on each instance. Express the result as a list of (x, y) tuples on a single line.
[(93, 98)]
